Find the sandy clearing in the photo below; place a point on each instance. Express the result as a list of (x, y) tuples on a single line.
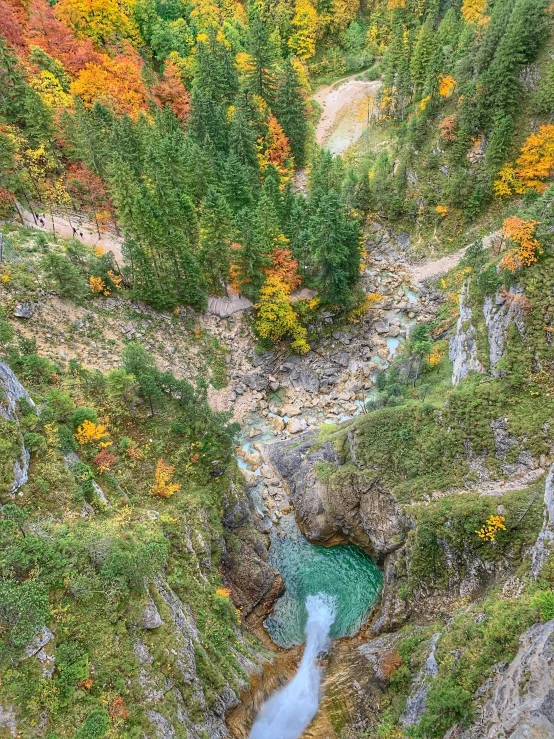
[(341, 124)]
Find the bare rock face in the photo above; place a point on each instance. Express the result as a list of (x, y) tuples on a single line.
[(463, 346), (253, 581), (11, 392), (327, 511), (522, 701)]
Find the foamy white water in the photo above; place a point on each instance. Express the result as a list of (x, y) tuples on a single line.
[(287, 713)]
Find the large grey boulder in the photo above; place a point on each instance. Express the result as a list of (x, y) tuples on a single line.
[(151, 618)]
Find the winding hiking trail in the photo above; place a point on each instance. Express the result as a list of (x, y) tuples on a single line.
[(347, 108)]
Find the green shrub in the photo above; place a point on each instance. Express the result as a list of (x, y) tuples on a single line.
[(83, 414), (544, 602), (35, 442), (95, 726), (23, 612), (61, 405), (447, 704)]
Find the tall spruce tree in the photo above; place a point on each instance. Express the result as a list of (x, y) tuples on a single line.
[(335, 244), (216, 230), (290, 108), (262, 49)]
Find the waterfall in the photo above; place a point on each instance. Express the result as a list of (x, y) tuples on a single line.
[(288, 712)]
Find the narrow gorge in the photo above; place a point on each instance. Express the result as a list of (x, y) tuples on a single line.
[(276, 369)]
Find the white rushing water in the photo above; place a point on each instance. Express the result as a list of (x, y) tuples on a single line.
[(288, 712)]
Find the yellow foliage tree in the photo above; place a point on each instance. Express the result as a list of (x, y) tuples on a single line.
[(446, 86), (276, 318), (49, 88), (304, 22), (163, 486), (97, 285), (521, 233), (90, 432), (492, 526), (472, 10), (100, 20)]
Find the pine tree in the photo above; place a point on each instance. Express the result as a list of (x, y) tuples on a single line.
[(499, 143), (236, 185), (216, 74), (252, 259), (208, 123), (242, 141), (290, 108), (423, 53), (525, 30), (216, 229), (272, 188), (335, 243), (264, 54)]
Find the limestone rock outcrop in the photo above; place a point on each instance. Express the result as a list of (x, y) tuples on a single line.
[(521, 705), (331, 510)]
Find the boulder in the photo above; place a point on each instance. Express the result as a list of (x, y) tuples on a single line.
[(151, 618), (255, 382), (296, 425), (381, 327), (24, 310), (308, 381), (290, 410)]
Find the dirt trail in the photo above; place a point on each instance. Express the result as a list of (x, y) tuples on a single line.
[(434, 267), (78, 227), (346, 106)]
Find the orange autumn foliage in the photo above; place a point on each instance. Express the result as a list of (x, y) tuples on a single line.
[(105, 460), (171, 91), (448, 128), (285, 268), (54, 37), (118, 710), (11, 24), (534, 165), (521, 233), (164, 487), (117, 83), (275, 145)]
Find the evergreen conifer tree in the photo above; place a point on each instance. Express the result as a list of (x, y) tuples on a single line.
[(216, 229), (290, 108)]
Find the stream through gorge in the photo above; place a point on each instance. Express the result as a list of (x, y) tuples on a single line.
[(329, 591)]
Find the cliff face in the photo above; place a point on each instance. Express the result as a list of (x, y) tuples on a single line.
[(329, 511), (521, 703)]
